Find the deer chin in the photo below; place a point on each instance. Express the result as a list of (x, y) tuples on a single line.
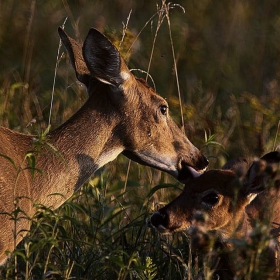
[(165, 231), (182, 172), (162, 230)]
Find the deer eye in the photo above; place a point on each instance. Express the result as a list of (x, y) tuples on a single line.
[(163, 109), (211, 199)]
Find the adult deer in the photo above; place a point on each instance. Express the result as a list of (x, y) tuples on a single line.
[(122, 115), (231, 204)]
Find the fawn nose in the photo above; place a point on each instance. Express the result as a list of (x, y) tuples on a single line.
[(159, 220)]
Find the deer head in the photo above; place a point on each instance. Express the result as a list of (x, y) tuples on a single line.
[(143, 126)]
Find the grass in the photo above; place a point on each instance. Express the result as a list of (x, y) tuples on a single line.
[(102, 231), (98, 234)]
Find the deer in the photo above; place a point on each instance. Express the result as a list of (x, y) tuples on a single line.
[(122, 115), (228, 204)]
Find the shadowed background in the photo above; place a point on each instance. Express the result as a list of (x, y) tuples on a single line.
[(227, 55)]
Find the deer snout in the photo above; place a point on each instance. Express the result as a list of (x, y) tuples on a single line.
[(159, 221), (201, 162)]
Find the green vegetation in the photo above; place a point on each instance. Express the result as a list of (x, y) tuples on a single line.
[(228, 63)]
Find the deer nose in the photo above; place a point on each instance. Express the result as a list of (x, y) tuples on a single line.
[(204, 161), (159, 221), (201, 162)]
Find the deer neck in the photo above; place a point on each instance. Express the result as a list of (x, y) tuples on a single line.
[(79, 154), (100, 142)]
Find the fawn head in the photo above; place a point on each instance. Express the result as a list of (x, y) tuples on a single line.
[(222, 195)]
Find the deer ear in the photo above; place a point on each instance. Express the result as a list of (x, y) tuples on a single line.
[(103, 59), (262, 171), (74, 50)]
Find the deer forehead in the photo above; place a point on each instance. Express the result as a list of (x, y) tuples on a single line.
[(138, 89), (149, 96)]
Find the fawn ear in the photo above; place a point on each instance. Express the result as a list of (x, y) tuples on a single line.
[(263, 171), (104, 60), (74, 50)]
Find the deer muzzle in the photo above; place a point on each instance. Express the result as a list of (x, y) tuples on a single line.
[(161, 221)]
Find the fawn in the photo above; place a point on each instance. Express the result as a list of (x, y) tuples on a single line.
[(228, 204)]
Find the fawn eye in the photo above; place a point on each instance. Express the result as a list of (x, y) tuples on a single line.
[(163, 109), (211, 199)]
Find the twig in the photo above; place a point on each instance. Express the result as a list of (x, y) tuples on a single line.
[(275, 139), (167, 7), (161, 16), (55, 73), (125, 28), (150, 76)]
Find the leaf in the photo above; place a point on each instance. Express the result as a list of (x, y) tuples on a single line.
[(17, 85), (9, 159)]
